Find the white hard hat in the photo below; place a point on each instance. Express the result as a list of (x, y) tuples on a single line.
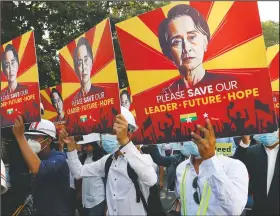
[(129, 118), (89, 138), (3, 179), (44, 127)]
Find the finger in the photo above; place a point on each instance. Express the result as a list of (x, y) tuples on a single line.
[(203, 130), (20, 120), (120, 121), (209, 127), (197, 139), (120, 116)]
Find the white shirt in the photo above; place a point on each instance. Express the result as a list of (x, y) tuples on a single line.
[(93, 190), (271, 161), (120, 190), (228, 179)]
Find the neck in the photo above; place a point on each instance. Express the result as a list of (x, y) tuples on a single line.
[(12, 86), (45, 153), (86, 87), (273, 146), (117, 154), (192, 77), (196, 163)]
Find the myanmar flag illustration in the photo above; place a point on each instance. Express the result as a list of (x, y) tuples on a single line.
[(10, 111), (83, 118), (191, 116)]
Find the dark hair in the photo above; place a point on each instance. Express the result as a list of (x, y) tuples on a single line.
[(175, 12), (82, 41), (125, 92), (54, 90), (97, 153), (9, 47)]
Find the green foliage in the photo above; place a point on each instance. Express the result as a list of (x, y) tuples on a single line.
[(271, 33), (56, 23)]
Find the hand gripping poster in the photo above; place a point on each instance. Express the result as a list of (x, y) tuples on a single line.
[(273, 62), (90, 82), (52, 101), (188, 61), (19, 80)]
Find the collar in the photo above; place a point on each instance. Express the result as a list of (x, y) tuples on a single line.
[(274, 149)]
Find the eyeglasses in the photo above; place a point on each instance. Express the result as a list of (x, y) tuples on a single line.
[(196, 194)]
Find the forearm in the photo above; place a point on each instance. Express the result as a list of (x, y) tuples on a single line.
[(230, 187), (161, 174), (142, 164), (32, 160)]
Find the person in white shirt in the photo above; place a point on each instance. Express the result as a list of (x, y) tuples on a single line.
[(93, 190), (262, 162), (208, 184), (120, 190)]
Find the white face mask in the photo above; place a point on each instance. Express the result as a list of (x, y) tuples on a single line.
[(35, 145)]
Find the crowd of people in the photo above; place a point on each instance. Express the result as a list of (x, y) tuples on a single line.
[(107, 174)]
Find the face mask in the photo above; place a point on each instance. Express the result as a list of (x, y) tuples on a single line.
[(110, 143), (35, 145), (268, 139), (190, 148)]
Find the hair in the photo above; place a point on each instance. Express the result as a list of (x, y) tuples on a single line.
[(97, 153), (175, 12), (82, 41), (54, 90), (9, 47), (125, 92)]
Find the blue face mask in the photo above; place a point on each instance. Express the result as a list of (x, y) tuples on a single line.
[(110, 143), (267, 139), (190, 148)]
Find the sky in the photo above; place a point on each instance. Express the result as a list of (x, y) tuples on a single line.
[(269, 10)]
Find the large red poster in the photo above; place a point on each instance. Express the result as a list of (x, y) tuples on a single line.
[(273, 62), (90, 82), (189, 61), (19, 81)]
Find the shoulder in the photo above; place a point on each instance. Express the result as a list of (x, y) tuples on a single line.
[(231, 163), (96, 89), (218, 77)]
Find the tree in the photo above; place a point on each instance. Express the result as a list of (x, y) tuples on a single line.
[(56, 23), (270, 33)]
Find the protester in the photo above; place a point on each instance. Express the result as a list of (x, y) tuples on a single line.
[(50, 188), (262, 162), (208, 184), (120, 189), (93, 190)]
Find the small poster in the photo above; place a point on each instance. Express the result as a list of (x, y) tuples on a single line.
[(90, 82), (273, 62), (19, 81)]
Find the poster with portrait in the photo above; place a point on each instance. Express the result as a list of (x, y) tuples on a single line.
[(19, 80), (273, 62), (90, 82), (52, 101), (189, 61)]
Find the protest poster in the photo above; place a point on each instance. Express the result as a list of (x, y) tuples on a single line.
[(52, 101), (90, 82), (189, 61), (273, 62), (19, 81)]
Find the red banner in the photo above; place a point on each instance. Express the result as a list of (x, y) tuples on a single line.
[(190, 61), (90, 82), (19, 81)]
